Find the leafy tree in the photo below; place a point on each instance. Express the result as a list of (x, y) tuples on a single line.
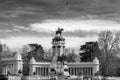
[(90, 50), (35, 51), (109, 45)]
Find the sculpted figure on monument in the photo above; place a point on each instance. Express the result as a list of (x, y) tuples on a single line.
[(59, 31), (58, 36)]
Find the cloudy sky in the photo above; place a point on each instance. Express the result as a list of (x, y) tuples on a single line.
[(34, 21)]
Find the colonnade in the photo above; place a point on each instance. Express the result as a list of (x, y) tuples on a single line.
[(8, 68), (11, 65), (11, 68), (42, 71), (58, 50), (81, 71)]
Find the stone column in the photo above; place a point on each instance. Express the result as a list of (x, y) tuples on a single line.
[(91, 71), (59, 50), (45, 71), (64, 50), (3, 70), (87, 71), (13, 69), (10, 68), (56, 49), (38, 70), (6, 69), (42, 70), (77, 70), (73, 71), (53, 50), (69, 71)]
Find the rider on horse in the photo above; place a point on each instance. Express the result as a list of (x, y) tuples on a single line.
[(59, 31)]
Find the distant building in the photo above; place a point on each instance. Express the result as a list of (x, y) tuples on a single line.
[(56, 67)]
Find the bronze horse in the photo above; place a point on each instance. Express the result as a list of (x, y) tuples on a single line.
[(59, 31)]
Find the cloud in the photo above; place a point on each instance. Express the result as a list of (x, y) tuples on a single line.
[(18, 30), (77, 24), (72, 28), (7, 30), (40, 18), (21, 27), (16, 43), (25, 12)]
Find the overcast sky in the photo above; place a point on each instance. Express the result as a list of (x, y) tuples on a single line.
[(34, 21)]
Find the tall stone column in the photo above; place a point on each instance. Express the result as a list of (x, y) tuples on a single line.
[(87, 71), (10, 68), (3, 70), (53, 50), (6, 69), (64, 50), (40, 71), (73, 71), (45, 71), (59, 50)]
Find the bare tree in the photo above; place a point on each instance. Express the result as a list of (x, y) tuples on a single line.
[(25, 50), (6, 50), (109, 46)]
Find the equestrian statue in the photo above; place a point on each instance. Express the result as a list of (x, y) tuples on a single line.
[(59, 31)]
